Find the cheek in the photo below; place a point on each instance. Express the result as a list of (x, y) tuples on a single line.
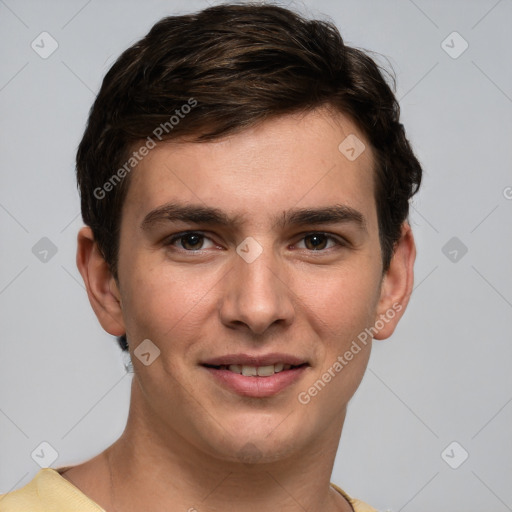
[(341, 306), (344, 302), (163, 303), (341, 314)]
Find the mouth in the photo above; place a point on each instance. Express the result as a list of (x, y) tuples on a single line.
[(256, 371), (256, 376)]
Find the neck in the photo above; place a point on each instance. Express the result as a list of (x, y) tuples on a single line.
[(150, 468)]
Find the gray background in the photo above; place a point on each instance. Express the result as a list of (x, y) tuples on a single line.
[(444, 376)]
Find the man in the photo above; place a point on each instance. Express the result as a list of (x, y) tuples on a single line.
[(245, 182)]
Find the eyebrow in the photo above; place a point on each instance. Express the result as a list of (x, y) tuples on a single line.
[(199, 214)]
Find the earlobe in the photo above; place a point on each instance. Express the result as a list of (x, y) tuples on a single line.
[(101, 287), (397, 285)]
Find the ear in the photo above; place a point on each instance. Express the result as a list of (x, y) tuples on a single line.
[(397, 285), (101, 286)]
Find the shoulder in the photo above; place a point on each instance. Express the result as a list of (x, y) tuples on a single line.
[(20, 499), (48, 491), (357, 505)]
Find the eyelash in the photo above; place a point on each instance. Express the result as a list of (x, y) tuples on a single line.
[(339, 242)]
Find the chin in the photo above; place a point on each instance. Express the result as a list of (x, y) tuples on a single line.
[(260, 446)]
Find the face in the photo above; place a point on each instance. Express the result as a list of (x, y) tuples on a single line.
[(256, 253)]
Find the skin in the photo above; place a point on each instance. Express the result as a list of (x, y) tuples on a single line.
[(189, 441)]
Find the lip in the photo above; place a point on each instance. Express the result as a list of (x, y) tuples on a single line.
[(256, 386)]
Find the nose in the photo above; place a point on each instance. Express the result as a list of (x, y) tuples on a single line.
[(256, 295)]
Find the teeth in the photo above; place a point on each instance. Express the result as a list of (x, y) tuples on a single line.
[(260, 371), (266, 371), (249, 371)]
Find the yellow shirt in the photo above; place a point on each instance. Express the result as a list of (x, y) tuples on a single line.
[(48, 491)]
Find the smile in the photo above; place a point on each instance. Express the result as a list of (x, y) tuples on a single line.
[(255, 371), (256, 376)]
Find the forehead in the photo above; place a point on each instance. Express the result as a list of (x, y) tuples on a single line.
[(297, 160)]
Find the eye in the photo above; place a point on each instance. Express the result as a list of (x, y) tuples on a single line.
[(318, 241), (190, 241)]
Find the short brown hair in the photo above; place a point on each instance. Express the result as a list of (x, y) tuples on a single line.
[(240, 64)]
